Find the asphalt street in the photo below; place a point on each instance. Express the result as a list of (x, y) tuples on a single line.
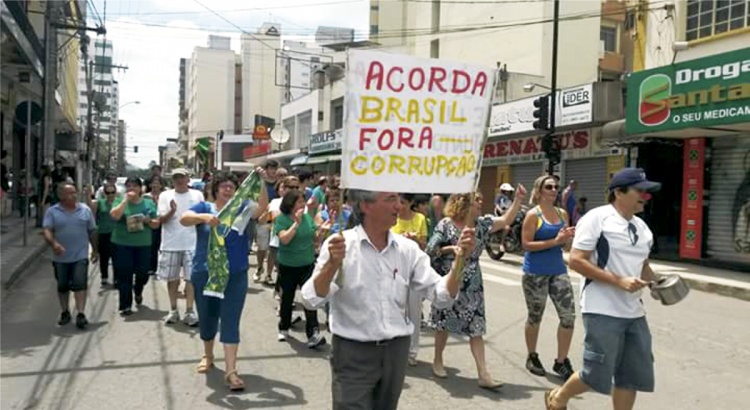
[(700, 347)]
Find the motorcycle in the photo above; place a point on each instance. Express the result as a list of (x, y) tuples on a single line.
[(512, 240)]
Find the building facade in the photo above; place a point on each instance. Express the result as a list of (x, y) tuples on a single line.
[(688, 109), (210, 94), (260, 65)]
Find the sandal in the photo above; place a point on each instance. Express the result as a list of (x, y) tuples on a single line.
[(548, 401), (234, 383), (206, 363), (490, 384)]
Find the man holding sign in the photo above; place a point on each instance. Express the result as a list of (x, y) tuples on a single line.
[(369, 300)]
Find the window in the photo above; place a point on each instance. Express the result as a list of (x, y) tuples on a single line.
[(338, 117), (435, 48), (706, 18), (608, 38)]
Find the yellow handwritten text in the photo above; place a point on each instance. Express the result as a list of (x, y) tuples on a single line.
[(411, 111), (412, 165)]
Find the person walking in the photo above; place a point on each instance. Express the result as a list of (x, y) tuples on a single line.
[(69, 227), (101, 209), (412, 225), (366, 274), (466, 317), (296, 230), (221, 314), (545, 233), (264, 224), (611, 250), (177, 245), (153, 191), (570, 202), (135, 216)]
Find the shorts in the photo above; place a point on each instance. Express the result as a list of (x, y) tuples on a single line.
[(174, 265), (71, 276), (618, 348), (560, 291), (263, 236)]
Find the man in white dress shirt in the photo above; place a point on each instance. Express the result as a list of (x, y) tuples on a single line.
[(369, 315)]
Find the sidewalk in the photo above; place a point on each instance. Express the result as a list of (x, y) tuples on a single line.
[(14, 257), (720, 281)]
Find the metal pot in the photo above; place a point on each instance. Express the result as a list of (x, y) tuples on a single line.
[(669, 289)]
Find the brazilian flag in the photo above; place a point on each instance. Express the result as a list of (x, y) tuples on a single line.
[(218, 263)]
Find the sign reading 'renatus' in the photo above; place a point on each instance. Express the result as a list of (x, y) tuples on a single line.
[(413, 124), (707, 92)]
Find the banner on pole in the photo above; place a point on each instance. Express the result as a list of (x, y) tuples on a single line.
[(413, 124)]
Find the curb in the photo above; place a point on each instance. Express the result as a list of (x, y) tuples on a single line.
[(708, 284), (23, 264), (718, 288)]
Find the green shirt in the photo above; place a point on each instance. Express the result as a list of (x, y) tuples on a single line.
[(300, 250), (121, 235), (104, 220)]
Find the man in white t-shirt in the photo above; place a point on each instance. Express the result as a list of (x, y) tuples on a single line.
[(611, 249), (177, 245)]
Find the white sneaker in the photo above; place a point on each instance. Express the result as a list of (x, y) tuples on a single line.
[(315, 340), (191, 319), (172, 317), (283, 334)]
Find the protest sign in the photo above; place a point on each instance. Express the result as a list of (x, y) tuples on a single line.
[(413, 124)]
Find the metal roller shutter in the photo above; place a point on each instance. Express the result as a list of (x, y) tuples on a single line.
[(526, 174), (729, 202), (591, 174)]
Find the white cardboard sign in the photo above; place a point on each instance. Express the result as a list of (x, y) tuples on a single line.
[(413, 124)]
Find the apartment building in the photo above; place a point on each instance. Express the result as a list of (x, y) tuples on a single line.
[(515, 34), (210, 93), (262, 95)]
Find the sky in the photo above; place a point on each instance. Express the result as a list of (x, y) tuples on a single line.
[(150, 36)]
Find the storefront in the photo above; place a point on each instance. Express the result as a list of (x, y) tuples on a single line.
[(693, 119), (324, 153), (514, 153)]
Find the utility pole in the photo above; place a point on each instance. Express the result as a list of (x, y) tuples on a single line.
[(47, 150), (553, 144)]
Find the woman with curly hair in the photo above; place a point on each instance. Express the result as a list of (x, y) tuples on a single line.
[(466, 316)]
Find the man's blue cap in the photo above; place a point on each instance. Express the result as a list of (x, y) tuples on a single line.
[(633, 178)]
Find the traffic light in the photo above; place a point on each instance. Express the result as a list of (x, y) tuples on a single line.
[(135, 149), (541, 113), (551, 148)]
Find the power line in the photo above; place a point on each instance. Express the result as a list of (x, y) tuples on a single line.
[(289, 6), (236, 26)]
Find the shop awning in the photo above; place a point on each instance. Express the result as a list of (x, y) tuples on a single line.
[(299, 160), (322, 159), (284, 154), (614, 134)]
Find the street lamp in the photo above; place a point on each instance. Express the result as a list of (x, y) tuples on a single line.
[(128, 103), (530, 87)]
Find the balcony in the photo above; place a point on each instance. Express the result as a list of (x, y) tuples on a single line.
[(612, 62)]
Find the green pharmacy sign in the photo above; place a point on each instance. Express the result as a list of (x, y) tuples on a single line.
[(707, 92)]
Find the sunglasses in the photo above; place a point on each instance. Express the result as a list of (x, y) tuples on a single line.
[(109, 193), (551, 187), (632, 234)]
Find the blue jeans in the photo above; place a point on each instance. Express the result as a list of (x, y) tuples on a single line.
[(228, 311), (129, 261)]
